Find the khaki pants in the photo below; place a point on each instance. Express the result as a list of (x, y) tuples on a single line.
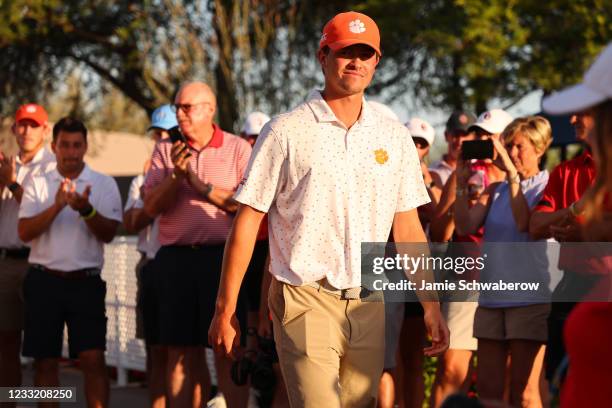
[(330, 350), (12, 273)]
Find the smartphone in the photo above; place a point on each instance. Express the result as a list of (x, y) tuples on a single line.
[(176, 135), (477, 149)]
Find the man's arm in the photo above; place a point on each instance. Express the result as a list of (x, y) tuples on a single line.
[(32, 227), (224, 199), (29, 228), (407, 229), (135, 219), (103, 228), (224, 332)]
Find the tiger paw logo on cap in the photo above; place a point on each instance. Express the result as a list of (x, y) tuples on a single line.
[(356, 26), (381, 156)]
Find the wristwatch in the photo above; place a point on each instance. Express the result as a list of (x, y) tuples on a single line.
[(14, 186)]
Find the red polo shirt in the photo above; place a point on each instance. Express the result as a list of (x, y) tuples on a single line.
[(566, 184), (192, 219)]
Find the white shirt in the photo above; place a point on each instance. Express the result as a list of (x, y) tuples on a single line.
[(68, 244), (147, 237), (9, 207), (328, 189), (443, 169)]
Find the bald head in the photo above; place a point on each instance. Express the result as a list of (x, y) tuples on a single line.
[(196, 106), (198, 90)]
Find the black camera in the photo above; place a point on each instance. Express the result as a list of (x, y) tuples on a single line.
[(257, 364), (477, 149)]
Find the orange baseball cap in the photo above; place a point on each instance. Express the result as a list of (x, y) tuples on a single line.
[(350, 28), (32, 111)]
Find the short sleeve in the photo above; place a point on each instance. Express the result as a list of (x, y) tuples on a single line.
[(534, 200), (263, 174), (30, 204), (549, 200), (412, 190), (109, 202), (134, 192)]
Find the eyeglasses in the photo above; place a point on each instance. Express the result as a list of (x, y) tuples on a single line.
[(187, 107)]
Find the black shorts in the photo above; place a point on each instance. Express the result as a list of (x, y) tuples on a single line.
[(188, 283), (254, 275), (148, 302), (51, 302)]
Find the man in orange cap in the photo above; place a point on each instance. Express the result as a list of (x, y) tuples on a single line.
[(324, 173), (30, 128)]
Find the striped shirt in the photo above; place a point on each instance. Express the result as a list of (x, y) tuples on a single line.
[(192, 220)]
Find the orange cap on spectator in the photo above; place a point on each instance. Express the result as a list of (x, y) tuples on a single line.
[(350, 28), (32, 111)]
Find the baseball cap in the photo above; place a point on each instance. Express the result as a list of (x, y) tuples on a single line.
[(420, 128), (163, 117), (350, 28), (254, 122), (383, 109), (595, 88), (460, 120), (32, 111), (493, 121)]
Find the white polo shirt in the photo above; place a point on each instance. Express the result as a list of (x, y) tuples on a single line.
[(328, 189), (68, 244), (9, 207), (147, 237)]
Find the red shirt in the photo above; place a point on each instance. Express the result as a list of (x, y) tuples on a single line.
[(192, 219), (587, 335), (566, 184)]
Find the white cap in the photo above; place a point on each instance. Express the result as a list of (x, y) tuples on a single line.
[(419, 128), (383, 110), (596, 87), (493, 121), (254, 123)]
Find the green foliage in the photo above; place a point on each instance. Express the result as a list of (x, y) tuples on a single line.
[(467, 53)]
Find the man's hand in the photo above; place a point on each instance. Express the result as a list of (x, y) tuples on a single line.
[(437, 330), (180, 158), (78, 202), (568, 230), (224, 334), (61, 198), (8, 170)]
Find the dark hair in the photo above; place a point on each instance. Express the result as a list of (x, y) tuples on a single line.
[(69, 125)]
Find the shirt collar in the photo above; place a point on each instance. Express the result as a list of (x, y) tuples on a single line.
[(323, 113), (38, 157), (217, 137), (85, 176)]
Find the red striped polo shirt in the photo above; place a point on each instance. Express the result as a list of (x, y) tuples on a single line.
[(192, 220)]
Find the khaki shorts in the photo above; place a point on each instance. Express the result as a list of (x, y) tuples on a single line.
[(512, 323), (459, 317), (330, 350), (12, 273)]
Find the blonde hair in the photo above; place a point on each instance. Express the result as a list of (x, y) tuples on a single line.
[(536, 128)]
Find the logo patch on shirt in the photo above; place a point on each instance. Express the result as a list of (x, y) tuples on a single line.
[(381, 156)]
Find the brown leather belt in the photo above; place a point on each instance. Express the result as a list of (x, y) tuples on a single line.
[(15, 253), (77, 274)]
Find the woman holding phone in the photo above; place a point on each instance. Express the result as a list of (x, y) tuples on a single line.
[(510, 327)]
